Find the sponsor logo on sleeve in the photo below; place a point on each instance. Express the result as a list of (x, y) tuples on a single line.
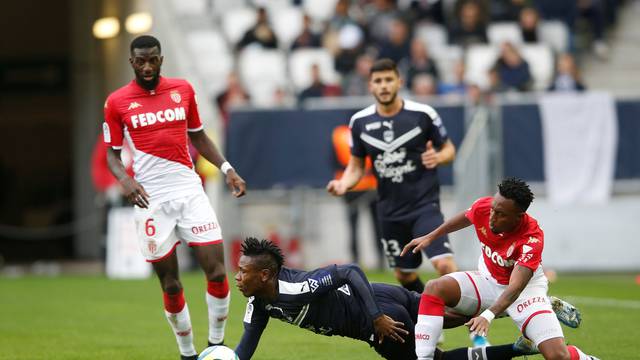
[(105, 132), (249, 311), (313, 285)]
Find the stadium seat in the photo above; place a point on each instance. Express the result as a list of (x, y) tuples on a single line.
[(214, 61), (287, 24), (479, 59), (190, 7), (300, 62), (540, 59), (319, 10), (446, 58), (236, 22), (221, 7), (500, 32), (262, 72), (435, 36), (555, 34)]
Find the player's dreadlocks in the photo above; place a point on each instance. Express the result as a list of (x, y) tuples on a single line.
[(145, 42), (268, 255), (516, 190)]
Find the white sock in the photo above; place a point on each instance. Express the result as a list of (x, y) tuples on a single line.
[(181, 326), (428, 330), (218, 312)]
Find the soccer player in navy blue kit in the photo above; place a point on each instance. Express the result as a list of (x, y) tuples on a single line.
[(338, 300), (406, 142)]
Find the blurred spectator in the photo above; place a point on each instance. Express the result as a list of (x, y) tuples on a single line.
[(350, 44), (356, 83), (317, 87), (396, 45), (307, 38), (470, 27), (282, 98), (567, 77), (593, 12), (424, 85), (428, 10), (261, 33), (505, 10), (233, 95), (379, 16), (511, 71), (458, 86), (420, 62), (528, 22), (340, 17)]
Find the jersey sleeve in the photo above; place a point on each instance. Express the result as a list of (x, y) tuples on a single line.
[(479, 204), (435, 129), (193, 120), (255, 321), (531, 251), (356, 144), (112, 128), (352, 274)]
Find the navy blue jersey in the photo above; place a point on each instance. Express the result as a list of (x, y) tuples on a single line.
[(395, 145), (333, 300)]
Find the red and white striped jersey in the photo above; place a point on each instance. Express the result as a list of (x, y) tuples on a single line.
[(155, 124)]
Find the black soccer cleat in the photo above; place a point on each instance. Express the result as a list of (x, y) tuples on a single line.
[(221, 343), (190, 357)]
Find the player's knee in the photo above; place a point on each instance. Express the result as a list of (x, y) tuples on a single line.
[(434, 287), (216, 273), (556, 353), (171, 286), (445, 266)]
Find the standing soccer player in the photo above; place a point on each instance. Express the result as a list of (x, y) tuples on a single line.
[(406, 142), (155, 114), (510, 278)]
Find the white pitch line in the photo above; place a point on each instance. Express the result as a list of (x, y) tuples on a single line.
[(606, 302)]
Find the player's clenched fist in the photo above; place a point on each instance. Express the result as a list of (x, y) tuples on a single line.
[(134, 192), (336, 187), (430, 157)]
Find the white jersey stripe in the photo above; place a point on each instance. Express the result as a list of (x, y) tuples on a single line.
[(288, 288)]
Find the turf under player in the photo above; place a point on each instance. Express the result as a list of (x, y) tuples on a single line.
[(338, 300), (406, 142), (510, 278), (155, 114)]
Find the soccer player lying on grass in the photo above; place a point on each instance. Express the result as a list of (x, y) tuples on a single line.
[(339, 300)]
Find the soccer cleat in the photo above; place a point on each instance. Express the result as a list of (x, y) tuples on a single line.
[(216, 344), (479, 341), (190, 357), (525, 346), (593, 357), (568, 314)]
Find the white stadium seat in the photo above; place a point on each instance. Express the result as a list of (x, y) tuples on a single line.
[(214, 61), (236, 22), (479, 60), (433, 35), (446, 58), (555, 34), (300, 62), (504, 31), (190, 7), (287, 24), (540, 59), (319, 10), (262, 72), (221, 7)]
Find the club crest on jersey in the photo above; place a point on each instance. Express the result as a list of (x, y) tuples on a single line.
[(152, 246), (175, 96), (388, 135)]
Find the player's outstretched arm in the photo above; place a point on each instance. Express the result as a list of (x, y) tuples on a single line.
[(351, 176), (517, 282), (208, 149), (133, 191), (453, 224)]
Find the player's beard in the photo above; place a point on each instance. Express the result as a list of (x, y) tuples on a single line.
[(148, 84), (388, 102)]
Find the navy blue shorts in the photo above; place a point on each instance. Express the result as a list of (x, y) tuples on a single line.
[(401, 305), (397, 234)]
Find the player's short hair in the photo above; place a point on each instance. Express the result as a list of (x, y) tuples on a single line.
[(268, 255), (384, 65), (145, 42), (516, 190)]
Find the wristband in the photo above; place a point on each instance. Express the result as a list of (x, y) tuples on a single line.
[(225, 167), (487, 314)]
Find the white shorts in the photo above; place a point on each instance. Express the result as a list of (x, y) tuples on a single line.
[(161, 227), (531, 312)]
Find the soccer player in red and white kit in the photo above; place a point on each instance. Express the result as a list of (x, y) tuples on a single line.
[(157, 116), (509, 280)]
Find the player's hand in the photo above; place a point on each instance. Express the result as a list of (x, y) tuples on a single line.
[(134, 192), (336, 188), (430, 157), (385, 326), (235, 183), (417, 244), (478, 325)]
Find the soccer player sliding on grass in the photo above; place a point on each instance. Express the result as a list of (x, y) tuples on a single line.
[(339, 300), (510, 279)]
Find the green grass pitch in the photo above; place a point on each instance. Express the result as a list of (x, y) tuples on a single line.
[(97, 318)]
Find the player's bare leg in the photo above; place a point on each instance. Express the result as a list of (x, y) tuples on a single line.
[(556, 349), (176, 309), (211, 260), (409, 280), (444, 265)]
